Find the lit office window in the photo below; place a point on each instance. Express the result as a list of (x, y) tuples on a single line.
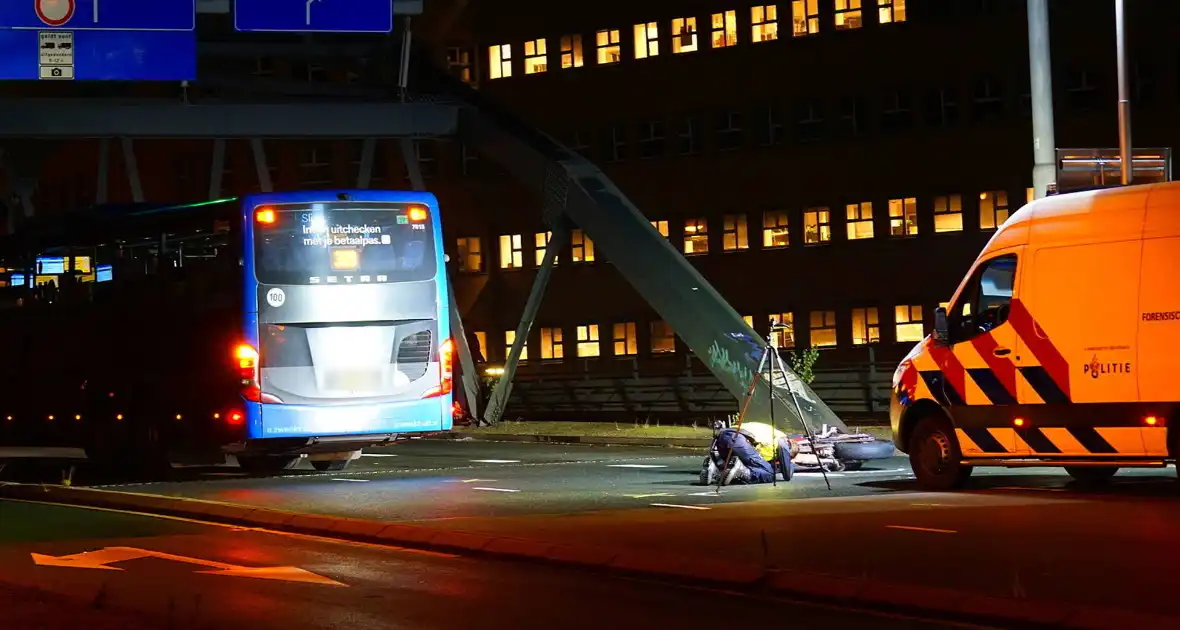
[(581, 247), (541, 241), (696, 236), (908, 323), (948, 213), (511, 251), (608, 48), (804, 17), (817, 226), (823, 329), (509, 339), (647, 40), (764, 23), (775, 232), (725, 32), (663, 340), (993, 209), (661, 227), (571, 51), (500, 61), (588, 345), (734, 233), (890, 11), (625, 340), (536, 58), (470, 249), (848, 15), (866, 327), (684, 35), (782, 337), (552, 346), (903, 217), (859, 217)]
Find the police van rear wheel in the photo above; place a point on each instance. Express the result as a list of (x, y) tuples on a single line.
[(1088, 475), (935, 456)]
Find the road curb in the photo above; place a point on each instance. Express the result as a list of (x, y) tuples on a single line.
[(577, 439), (905, 598)]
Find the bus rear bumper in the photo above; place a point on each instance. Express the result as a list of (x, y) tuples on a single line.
[(371, 421)]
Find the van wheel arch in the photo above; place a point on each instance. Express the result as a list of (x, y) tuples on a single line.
[(913, 416)]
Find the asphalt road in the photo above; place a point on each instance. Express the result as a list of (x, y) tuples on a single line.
[(1015, 533), (181, 575)]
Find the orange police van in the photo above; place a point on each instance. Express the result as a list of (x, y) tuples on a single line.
[(1060, 348)]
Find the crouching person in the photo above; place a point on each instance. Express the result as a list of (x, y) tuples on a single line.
[(750, 451)]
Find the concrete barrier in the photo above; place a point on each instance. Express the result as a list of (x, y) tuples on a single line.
[(944, 604)]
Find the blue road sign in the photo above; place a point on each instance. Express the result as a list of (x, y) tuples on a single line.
[(98, 40), (307, 16), (100, 15)]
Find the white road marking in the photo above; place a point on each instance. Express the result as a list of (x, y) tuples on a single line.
[(636, 466), (378, 455), (495, 489), (930, 504), (470, 480), (355, 480), (708, 493), (496, 461), (648, 496), (683, 507), (922, 529)]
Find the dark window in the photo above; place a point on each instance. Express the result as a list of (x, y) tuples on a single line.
[(809, 120), (727, 130), (1082, 89), (768, 126), (988, 99), (985, 303), (942, 106), (688, 136), (613, 144), (651, 139), (853, 117), (897, 109)]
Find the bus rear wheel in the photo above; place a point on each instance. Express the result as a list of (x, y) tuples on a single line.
[(1091, 476), (935, 457)]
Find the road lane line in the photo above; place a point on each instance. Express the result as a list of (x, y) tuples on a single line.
[(683, 507), (496, 489), (649, 496), (378, 455), (496, 461), (636, 466), (922, 529), (347, 479)]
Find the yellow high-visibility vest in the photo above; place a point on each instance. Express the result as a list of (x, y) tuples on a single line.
[(767, 437)]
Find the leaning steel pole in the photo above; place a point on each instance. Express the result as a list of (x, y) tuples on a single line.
[(1041, 82), (1124, 92)]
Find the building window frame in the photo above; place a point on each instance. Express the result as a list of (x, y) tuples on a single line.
[(804, 17), (858, 219), (509, 339), (823, 323), (948, 213), (817, 225), (776, 229), (908, 323), (903, 217), (652, 141), (511, 251), (541, 243), (536, 56), (734, 233), (663, 338), (891, 11), (782, 339), (696, 236), (571, 51), (728, 132), (500, 61), (684, 35), (470, 252), (588, 344), (624, 339), (552, 344), (848, 15), (581, 247), (993, 209), (647, 40), (608, 48), (866, 326), (725, 29), (764, 23)]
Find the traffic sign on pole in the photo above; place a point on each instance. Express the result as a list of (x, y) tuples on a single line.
[(98, 40), (314, 16), (55, 12)]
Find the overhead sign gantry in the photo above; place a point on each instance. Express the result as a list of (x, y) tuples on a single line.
[(98, 40), (314, 16)]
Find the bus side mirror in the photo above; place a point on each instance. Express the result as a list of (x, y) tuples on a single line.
[(941, 334)]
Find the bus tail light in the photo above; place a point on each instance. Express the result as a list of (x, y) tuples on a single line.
[(234, 417), (417, 214), (446, 362), (265, 216)]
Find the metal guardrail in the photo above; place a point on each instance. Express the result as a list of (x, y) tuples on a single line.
[(859, 390)]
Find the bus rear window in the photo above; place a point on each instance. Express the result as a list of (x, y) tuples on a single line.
[(343, 243)]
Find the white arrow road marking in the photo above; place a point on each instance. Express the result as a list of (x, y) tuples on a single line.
[(101, 558)]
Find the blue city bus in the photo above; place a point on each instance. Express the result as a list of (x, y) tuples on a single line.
[(272, 327)]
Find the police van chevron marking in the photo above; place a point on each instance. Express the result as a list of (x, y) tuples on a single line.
[(1043, 358)]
